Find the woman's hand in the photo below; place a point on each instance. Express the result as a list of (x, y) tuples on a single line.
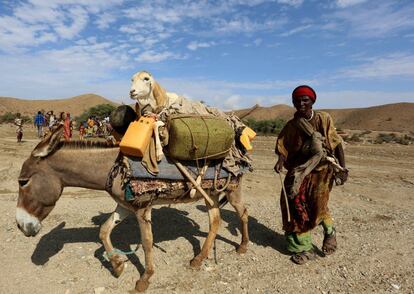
[(341, 177)]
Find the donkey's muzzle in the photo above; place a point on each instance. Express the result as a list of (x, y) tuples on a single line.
[(27, 223)]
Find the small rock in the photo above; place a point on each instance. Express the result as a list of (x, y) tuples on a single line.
[(396, 286), (99, 290)]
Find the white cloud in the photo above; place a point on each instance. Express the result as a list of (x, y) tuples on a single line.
[(348, 3), (296, 30), (393, 65), (232, 102), (258, 42), (294, 3), (378, 20), (360, 98), (153, 56), (77, 18), (105, 19), (62, 73), (14, 33), (37, 22), (246, 25), (229, 95), (194, 45)]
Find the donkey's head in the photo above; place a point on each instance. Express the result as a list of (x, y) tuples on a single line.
[(39, 186)]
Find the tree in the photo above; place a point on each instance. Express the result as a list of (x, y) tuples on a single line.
[(9, 117), (101, 111)]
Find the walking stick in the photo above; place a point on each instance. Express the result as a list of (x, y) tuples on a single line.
[(284, 193)]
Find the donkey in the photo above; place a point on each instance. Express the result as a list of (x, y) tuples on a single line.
[(53, 165)]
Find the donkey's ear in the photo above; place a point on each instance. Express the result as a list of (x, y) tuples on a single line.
[(159, 94), (49, 143)]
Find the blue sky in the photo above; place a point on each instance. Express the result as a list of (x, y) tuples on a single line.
[(231, 54)]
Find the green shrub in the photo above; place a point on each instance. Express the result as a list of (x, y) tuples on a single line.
[(266, 127), (100, 111), (385, 138), (356, 137), (366, 132), (405, 140), (9, 117)]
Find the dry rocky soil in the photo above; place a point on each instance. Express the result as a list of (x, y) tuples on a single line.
[(374, 214)]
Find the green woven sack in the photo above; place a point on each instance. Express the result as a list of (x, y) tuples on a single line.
[(193, 137)]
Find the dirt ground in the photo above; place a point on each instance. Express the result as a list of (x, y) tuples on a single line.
[(374, 214)]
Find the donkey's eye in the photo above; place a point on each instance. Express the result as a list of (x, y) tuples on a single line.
[(146, 79), (23, 182)]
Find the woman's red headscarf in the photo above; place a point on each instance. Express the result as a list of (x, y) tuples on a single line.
[(304, 90)]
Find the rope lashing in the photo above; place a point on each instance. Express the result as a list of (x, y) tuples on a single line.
[(108, 255)]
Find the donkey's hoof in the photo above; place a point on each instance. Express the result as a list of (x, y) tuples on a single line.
[(241, 249), (118, 269), (118, 266), (196, 262), (141, 285)]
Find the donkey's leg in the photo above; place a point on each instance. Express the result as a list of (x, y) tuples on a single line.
[(144, 221), (214, 222), (116, 217), (235, 199)]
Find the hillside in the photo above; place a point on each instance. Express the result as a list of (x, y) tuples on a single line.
[(75, 105), (389, 117)]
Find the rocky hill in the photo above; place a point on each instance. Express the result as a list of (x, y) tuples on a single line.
[(389, 117), (75, 105)]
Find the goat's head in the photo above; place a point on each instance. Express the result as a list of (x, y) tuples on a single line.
[(146, 90)]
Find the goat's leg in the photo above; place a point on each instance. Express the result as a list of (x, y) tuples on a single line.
[(116, 217), (214, 222), (235, 200), (144, 221)]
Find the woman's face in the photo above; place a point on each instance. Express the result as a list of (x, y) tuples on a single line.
[(303, 104)]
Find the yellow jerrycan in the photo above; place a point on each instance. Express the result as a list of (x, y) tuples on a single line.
[(137, 137), (247, 135)]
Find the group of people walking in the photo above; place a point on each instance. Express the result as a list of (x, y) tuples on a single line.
[(49, 121), (46, 122)]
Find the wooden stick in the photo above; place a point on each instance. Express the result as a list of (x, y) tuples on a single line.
[(197, 186), (198, 180), (284, 193)]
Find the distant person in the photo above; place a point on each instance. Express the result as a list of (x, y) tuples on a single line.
[(67, 130), (39, 122), (302, 147), (91, 124), (61, 119), (52, 120), (18, 122), (81, 131)]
